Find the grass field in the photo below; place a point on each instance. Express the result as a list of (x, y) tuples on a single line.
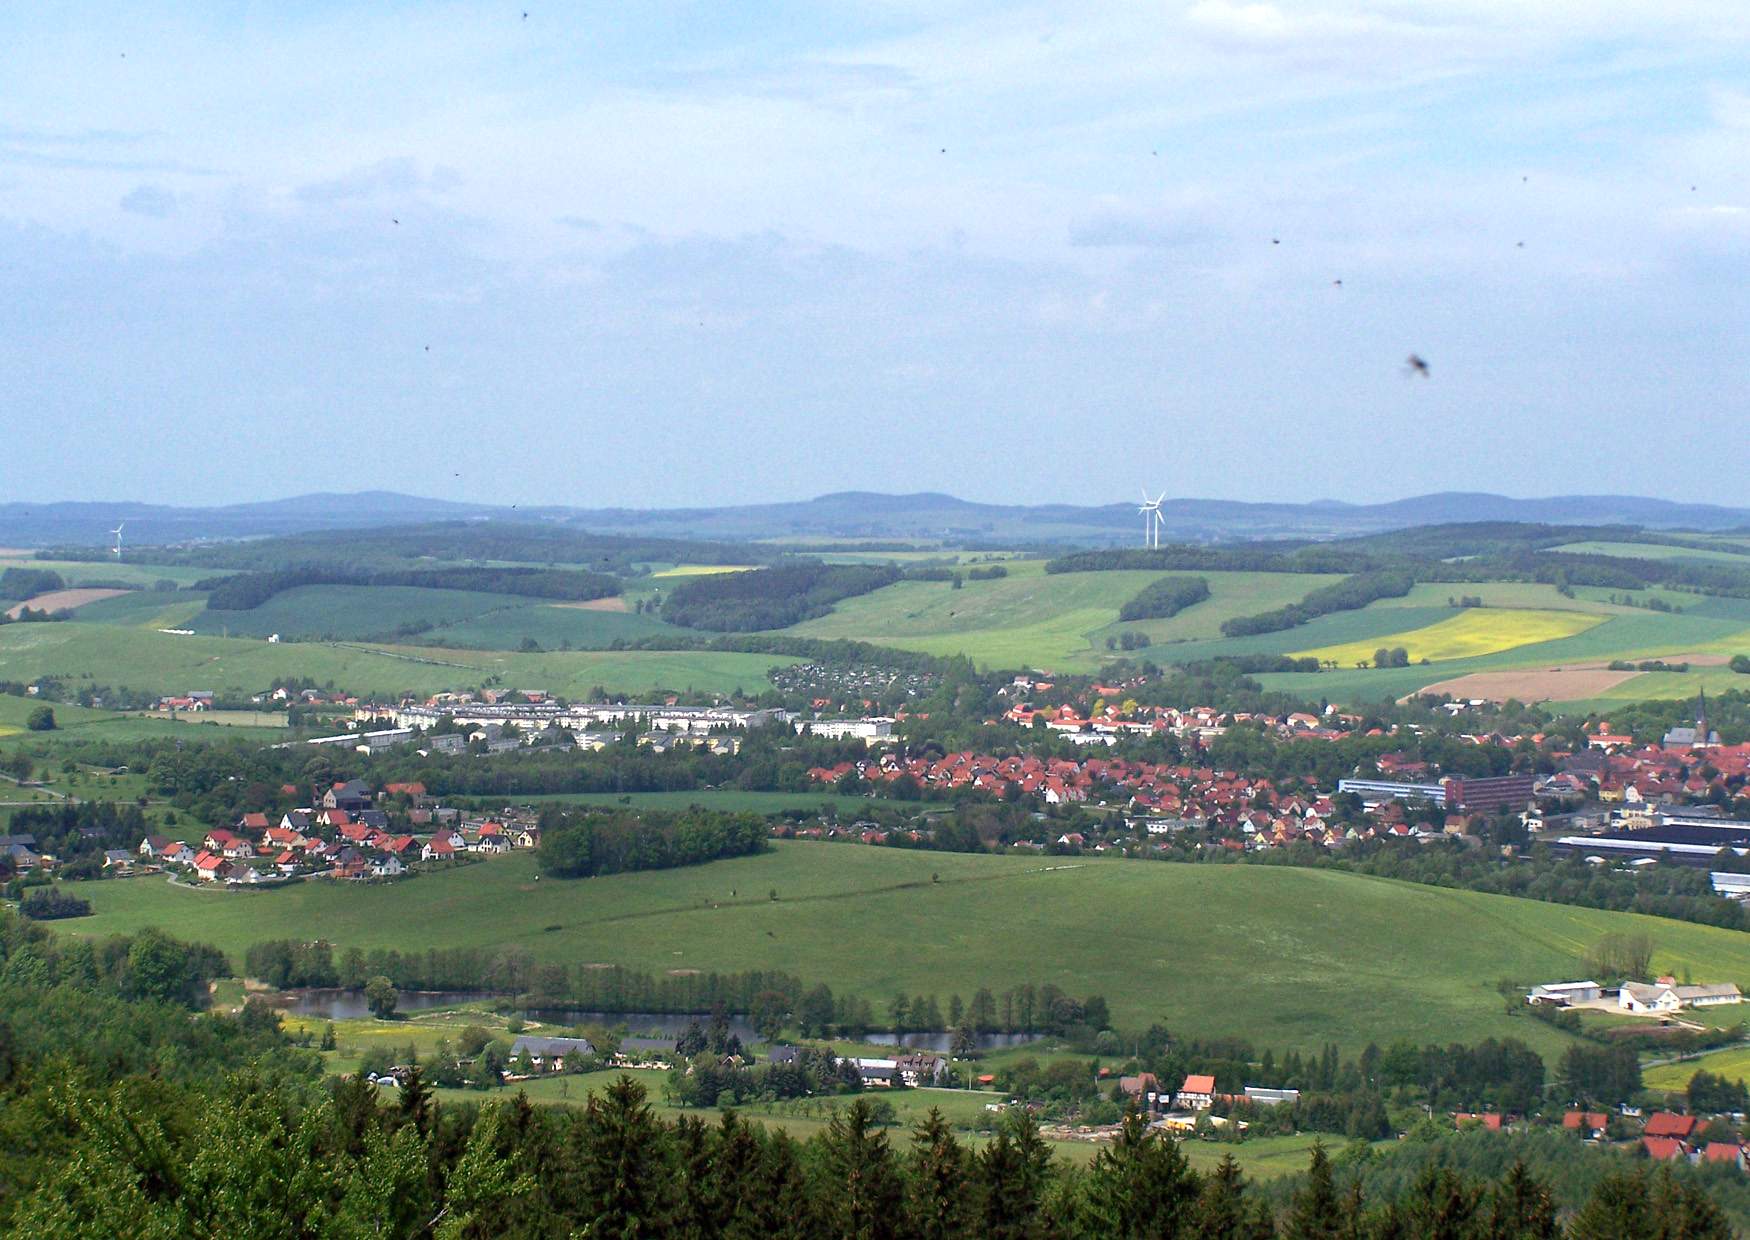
[(1474, 631), (165, 663), (1301, 956), (1733, 1063), (1654, 551), (146, 609), (465, 618), (1033, 619), (711, 798), (80, 572)]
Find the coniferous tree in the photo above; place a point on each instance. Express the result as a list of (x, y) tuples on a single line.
[(625, 1166), (1015, 1171), (1521, 1207), (861, 1192), (1140, 1186), (939, 1204), (1616, 1210), (1222, 1212), (1441, 1205), (1680, 1211), (1316, 1214)]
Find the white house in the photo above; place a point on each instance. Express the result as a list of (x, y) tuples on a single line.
[(1642, 997), (1197, 1093)]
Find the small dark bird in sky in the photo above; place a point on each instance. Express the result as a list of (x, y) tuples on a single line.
[(428, 348), (1337, 283), (1520, 244), (944, 150), (1276, 241), (1525, 178), (393, 220), (525, 17), (1418, 365)]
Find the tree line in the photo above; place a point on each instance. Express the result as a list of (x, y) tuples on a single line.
[(1350, 594), (770, 598), (1164, 598), (589, 843), (247, 591)]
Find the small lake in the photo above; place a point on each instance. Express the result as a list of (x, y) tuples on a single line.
[(327, 1004)]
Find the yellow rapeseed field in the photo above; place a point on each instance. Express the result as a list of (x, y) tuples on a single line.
[(1479, 630)]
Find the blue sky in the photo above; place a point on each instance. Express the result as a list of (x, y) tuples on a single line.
[(665, 254)]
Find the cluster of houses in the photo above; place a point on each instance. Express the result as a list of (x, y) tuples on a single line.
[(343, 836), (1665, 1136), (1663, 996), (1181, 1109)]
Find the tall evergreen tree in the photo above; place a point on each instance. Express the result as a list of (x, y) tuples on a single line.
[(938, 1201), (1222, 1212), (626, 1174), (1139, 1187), (1015, 1174), (1315, 1213), (862, 1194), (1521, 1207)]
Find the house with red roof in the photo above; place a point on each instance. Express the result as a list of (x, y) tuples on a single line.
[(1589, 1124), (1724, 1152), (1669, 1124), (1664, 1149), (1489, 1120), (1197, 1093)]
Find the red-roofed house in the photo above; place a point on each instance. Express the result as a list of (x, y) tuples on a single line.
[(1490, 1120), (1197, 1093), (1724, 1152), (1663, 1149), (1586, 1123), (1668, 1124)]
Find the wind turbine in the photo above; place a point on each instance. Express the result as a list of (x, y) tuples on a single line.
[(1152, 520), (117, 531)]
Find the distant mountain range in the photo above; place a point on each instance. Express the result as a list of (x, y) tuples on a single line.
[(852, 515)]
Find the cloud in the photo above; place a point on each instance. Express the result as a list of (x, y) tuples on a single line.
[(151, 201), (397, 177)]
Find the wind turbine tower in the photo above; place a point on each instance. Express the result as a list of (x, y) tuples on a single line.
[(1152, 519), (117, 531)]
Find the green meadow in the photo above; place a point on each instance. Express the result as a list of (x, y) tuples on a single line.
[(1298, 957), (167, 663), (1033, 619)]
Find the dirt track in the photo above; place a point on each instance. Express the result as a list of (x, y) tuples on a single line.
[(598, 604)]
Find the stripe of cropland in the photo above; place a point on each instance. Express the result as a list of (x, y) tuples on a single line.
[(1471, 633)]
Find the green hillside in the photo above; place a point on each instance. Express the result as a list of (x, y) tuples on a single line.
[(165, 663), (1031, 619), (1283, 956)]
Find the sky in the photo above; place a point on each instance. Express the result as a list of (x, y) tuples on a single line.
[(666, 254)]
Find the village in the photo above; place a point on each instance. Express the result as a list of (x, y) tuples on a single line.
[(343, 836)]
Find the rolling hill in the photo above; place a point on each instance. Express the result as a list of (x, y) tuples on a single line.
[(1298, 957)]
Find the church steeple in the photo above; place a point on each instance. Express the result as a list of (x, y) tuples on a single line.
[(1701, 733)]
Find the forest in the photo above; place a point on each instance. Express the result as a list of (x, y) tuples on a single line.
[(389, 547), (770, 598), (585, 844), (245, 591), (1350, 594), (1167, 597)]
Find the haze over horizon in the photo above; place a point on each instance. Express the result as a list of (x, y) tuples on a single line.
[(694, 256)]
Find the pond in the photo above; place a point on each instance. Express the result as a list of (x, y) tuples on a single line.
[(329, 1004)]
